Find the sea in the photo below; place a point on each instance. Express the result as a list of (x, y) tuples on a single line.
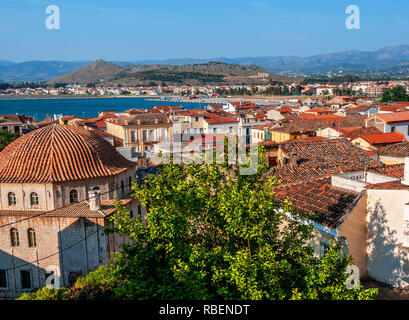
[(40, 108)]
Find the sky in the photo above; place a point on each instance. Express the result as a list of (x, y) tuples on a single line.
[(132, 30)]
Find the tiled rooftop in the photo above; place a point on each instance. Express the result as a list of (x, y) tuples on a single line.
[(317, 196), (59, 153)]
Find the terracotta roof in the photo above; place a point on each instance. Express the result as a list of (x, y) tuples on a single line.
[(78, 210), (144, 119), (327, 150), (356, 132), (216, 119), (392, 185), (312, 170), (59, 153), (317, 196), (383, 138), (394, 170), (392, 117), (319, 158), (395, 150)]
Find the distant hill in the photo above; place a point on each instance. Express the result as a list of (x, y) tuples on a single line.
[(95, 72), (4, 63), (109, 74), (354, 61), (36, 71)]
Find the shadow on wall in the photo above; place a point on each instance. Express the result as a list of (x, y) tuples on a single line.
[(386, 262), (79, 250), (18, 276)]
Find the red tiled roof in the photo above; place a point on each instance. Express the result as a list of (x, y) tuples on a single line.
[(317, 196), (395, 150), (392, 117), (356, 132), (394, 170), (383, 138), (59, 153), (392, 185)]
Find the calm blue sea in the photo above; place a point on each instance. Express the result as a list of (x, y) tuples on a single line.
[(39, 108)]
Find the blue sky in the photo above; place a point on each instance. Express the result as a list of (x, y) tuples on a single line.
[(129, 30)]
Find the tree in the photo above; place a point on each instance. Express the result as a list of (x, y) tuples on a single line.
[(395, 94), (211, 233), (6, 138)]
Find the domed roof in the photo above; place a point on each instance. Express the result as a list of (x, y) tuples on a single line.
[(59, 153)]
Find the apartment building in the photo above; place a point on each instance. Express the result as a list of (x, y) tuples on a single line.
[(140, 131)]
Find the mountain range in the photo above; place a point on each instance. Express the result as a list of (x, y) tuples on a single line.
[(395, 58)]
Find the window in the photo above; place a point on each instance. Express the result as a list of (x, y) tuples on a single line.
[(31, 235), (34, 199), (214, 130), (25, 278), (324, 248), (152, 135), (144, 135), (197, 118), (393, 129), (3, 279), (130, 182), (122, 187), (133, 139), (73, 196), (96, 189), (131, 214), (12, 199), (230, 129), (14, 237)]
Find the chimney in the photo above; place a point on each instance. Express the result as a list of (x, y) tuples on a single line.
[(94, 199), (293, 160), (406, 172)]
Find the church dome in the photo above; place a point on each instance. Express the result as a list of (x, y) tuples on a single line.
[(58, 153)]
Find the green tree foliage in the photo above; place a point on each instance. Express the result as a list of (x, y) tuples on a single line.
[(395, 94), (45, 294), (6, 138), (211, 233)]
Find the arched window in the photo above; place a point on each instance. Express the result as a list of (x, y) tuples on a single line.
[(130, 182), (131, 214), (34, 199), (73, 196), (12, 199), (14, 237), (31, 235), (96, 189), (122, 187)]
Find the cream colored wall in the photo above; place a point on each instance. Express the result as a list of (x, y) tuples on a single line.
[(328, 133), (23, 191), (353, 228), (392, 160), (363, 143), (386, 261), (52, 235), (278, 136)]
